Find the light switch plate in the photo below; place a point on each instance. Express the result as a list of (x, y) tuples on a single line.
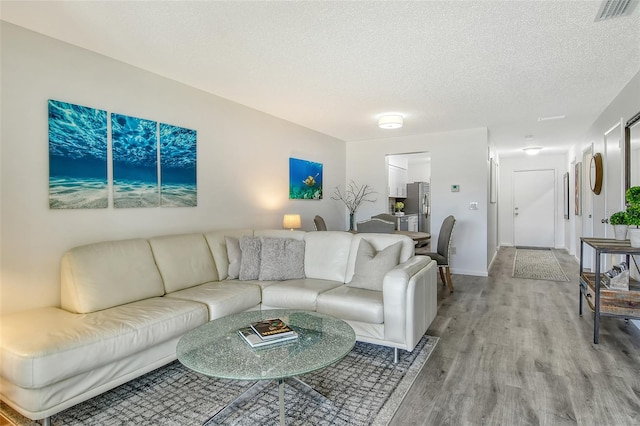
[(473, 205)]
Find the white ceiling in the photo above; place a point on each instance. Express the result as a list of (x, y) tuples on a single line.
[(334, 66)]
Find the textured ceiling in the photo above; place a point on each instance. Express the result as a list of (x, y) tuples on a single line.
[(334, 66)]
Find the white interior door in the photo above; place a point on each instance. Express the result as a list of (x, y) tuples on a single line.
[(611, 197), (587, 209), (613, 174), (534, 208), (613, 185)]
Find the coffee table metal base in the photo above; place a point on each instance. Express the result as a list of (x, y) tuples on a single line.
[(258, 387)]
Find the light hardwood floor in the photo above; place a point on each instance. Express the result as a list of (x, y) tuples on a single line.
[(516, 352)]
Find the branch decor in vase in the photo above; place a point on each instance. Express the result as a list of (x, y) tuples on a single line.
[(352, 197)]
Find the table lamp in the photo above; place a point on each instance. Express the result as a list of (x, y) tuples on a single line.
[(291, 221)]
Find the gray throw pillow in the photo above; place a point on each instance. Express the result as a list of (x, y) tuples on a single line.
[(281, 259), (250, 261), (234, 254), (371, 266)]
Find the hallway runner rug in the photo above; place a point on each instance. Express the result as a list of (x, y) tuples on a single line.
[(364, 388), (540, 264)]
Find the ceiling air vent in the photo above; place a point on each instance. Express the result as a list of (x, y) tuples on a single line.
[(614, 8)]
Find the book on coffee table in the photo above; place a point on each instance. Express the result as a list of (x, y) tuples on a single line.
[(271, 329), (250, 336)]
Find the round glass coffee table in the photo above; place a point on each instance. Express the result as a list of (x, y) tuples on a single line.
[(216, 349)]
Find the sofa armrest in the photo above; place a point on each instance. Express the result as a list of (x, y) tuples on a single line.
[(410, 300)]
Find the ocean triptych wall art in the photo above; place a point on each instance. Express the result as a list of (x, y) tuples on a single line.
[(134, 142), (305, 179), (154, 164), (178, 172), (77, 157)]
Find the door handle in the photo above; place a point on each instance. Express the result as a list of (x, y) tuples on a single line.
[(604, 220)]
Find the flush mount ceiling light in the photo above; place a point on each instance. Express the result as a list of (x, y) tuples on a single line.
[(532, 150), (552, 117), (390, 121)]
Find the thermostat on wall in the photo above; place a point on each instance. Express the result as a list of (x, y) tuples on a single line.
[(455, 188)]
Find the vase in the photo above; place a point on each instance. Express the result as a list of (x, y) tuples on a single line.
[(352, 222), (634, 237), (620, 232)]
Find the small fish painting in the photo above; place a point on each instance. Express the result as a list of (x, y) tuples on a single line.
[(305, 179)]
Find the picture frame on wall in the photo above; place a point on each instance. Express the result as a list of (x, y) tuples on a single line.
[(577, 176), (305, 180), (77, 156), (566, 195)]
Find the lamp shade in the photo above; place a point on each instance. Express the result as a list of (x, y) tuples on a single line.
[(291, 221), (390, 121)]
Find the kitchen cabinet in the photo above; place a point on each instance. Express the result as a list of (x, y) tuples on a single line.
[(412, 223), (398, 178), (407, 222)]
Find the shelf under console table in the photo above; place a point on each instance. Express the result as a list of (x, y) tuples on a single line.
[(604, 301)]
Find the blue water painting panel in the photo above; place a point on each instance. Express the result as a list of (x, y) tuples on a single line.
[(134, 144), (305, 179), (77, 157), (178, 166)]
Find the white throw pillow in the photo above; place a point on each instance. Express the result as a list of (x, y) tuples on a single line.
[(281, 259), (371, 266), (234, 254)]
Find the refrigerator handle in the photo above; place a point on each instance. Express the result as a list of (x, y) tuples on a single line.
[(425, 204)]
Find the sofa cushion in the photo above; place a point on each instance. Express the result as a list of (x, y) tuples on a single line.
[(250, 261), (326, 255), (218, 247), (61, 344), (281, 259), (107, 274), (235, 256), (183, 260), (296, 294), (222, 298), (280, 233), (371, 265), (350, 303)]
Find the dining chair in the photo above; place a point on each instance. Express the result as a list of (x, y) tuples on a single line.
[(443, 254), (318, 223), (386, 216), (375, 225)]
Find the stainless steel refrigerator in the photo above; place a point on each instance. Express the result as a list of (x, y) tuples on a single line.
[(418, 202)]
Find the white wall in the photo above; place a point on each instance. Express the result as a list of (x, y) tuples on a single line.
[(419, 169), (492, 211), (508, 165), (457, 157), (624, 106), (243, 155)]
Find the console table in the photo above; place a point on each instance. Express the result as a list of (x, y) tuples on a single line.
[(608, 302)]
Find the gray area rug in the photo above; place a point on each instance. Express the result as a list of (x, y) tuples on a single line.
[(364, 388), (538, 265)]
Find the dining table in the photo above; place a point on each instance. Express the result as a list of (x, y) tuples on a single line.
[(420, 238)]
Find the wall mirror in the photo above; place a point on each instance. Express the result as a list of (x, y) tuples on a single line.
[(632, 152), (595, 173)]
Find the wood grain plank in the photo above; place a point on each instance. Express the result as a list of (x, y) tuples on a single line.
[(516, 352)]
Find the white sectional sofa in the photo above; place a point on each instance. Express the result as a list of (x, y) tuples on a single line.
[(125, 304)]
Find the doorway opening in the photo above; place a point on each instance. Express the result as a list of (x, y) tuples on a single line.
[(408, 190)]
